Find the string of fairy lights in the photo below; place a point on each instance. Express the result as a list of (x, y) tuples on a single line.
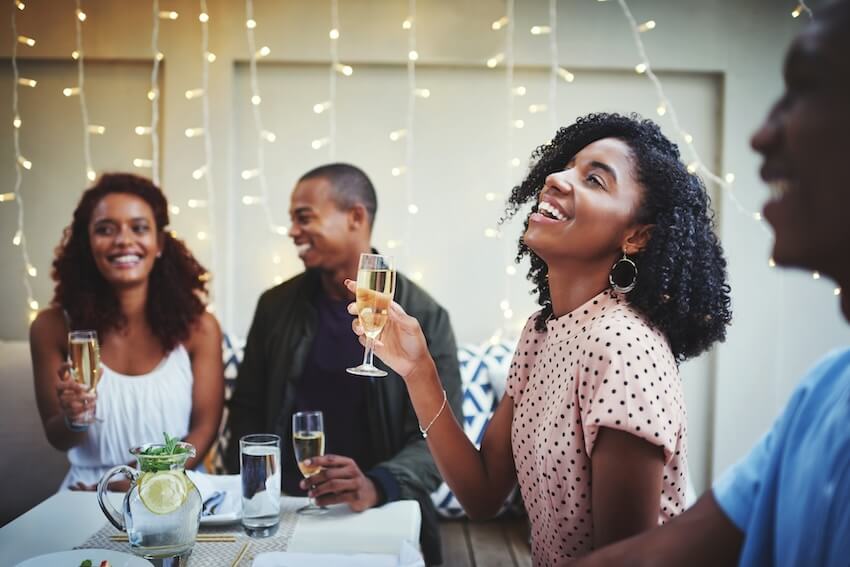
[(153, 96), (80, 92), (409, 138), (511, 163), (257, 174), (204, 18), (333, 41), (665, 106), (554, 65), (21, 163), (407, 134)]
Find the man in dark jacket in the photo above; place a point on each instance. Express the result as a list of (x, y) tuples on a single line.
[(300, 344)]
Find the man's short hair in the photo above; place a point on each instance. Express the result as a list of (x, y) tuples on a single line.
[(351, 186)]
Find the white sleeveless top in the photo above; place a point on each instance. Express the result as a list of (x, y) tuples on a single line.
[(132, 411)]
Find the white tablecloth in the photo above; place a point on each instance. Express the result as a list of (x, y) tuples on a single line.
[(67, 519)]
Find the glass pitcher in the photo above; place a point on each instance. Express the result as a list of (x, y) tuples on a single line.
[(162, 510)]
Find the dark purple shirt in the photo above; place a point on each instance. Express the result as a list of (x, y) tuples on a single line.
[(327, 387)]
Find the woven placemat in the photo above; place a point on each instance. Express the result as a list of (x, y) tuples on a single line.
[(215, 554)]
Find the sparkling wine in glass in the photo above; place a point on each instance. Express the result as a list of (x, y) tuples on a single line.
[(374, 295), (308, 441), (84, 358)]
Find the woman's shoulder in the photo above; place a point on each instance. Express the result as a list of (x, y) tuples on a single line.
[(204, 332), (49, 325), (623, 326)]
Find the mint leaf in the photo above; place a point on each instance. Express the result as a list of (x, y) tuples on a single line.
[(170, 443), (86, 563)]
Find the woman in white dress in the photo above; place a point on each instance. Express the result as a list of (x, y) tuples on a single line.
[(120, 271)]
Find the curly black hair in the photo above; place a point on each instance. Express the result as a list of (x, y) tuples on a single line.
[(177, 282), (682, 287)]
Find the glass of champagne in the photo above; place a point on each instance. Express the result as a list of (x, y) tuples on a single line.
[(84, 358), (375, 289), (308, 440)]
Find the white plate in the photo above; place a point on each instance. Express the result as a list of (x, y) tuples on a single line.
[(74, 557), (221, 519)]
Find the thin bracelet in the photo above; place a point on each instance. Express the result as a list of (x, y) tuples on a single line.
[(427, 427)]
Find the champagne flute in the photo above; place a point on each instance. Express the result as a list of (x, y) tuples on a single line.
[(84, 358), (308, 440), (375, 289)]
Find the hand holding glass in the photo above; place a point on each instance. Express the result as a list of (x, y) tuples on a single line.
[(308, 441), (84, 358), (374, 295)]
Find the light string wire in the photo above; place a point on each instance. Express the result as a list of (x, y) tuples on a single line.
[(696, 165), (208, 150), (333, 36), (20, 239), (256, 99), (153, 95), (409, 185), (554, 67), (79, 18), (508, 244)]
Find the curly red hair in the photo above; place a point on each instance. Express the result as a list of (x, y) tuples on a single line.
[(177, 280)]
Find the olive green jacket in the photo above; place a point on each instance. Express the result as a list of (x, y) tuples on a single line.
[(278, 343)]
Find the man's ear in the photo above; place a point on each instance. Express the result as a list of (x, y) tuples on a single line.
[(637, 238), (358, 217)]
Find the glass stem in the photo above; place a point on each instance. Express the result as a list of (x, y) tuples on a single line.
[(367, 354)]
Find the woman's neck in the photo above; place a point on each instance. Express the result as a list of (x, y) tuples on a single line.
[(573, 285), (133, 301)]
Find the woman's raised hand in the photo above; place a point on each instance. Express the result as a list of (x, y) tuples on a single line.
[(75, 400), (401, 345)]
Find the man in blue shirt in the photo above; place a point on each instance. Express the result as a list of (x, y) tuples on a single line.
[(788, 501)]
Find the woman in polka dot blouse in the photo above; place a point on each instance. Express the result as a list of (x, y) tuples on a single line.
[(631, 281)]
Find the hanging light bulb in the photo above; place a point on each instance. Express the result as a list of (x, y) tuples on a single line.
[(320, 107), (499, 24), (646, 26)]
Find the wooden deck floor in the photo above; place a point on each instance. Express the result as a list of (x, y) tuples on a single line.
[(496, 543)]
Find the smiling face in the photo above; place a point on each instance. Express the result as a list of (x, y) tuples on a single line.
[(324, 235), (586, 212), (124, 239), (804, 142)]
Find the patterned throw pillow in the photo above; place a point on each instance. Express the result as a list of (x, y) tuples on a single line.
[(232, 351), (483, 372)]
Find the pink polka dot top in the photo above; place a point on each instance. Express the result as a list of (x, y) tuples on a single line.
[(601, 365)]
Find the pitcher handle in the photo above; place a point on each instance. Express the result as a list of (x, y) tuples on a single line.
[(109, 510)]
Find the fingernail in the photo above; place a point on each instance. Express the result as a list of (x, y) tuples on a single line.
[(308, 461)]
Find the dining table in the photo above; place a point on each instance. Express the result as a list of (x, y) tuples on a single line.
[(68, 520)]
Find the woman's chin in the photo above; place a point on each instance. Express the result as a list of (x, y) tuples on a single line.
[(536, 242)]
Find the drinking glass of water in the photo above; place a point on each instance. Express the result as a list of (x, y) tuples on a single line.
[(260, 472)]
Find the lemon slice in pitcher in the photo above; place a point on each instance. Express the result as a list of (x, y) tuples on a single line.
[(163, 492)]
